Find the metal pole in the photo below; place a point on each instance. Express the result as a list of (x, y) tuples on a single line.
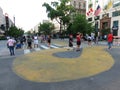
[(14, 20)]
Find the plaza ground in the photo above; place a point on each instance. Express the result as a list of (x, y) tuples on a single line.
[(93, 68)]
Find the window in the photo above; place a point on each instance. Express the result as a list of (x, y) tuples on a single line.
[(105, 15), (105, 25), (116, 4), (79, 5), (84, 5), (97, 17), (74, 3), (90, 19), (116, 13), (115, 23)]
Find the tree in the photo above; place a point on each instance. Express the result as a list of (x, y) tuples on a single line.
[(60, 11), (28, 33), (15, 32), (46, 28), (80, 24)]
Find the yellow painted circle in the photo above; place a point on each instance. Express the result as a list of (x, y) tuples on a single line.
[(44, 67)]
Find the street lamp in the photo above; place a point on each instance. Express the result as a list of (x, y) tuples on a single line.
[(96, 26), (7, 21)]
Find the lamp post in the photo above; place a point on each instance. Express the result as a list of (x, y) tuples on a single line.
[(7, 21), (14, 20), (96, 29)]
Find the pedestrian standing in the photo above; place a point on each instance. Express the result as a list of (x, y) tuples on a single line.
[(89, 40), (70, 41), (110, 40), (11, 44), (49, 40), (78, 38), (29, 42), (24, 40), (35, 41)]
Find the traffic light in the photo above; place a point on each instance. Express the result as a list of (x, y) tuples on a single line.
[(7, 22), (2, 27)]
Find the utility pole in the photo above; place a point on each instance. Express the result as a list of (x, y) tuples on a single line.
[(7, 21), (14, 20)]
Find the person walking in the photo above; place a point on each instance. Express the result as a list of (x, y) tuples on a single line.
[(11, 44), (110, 40)]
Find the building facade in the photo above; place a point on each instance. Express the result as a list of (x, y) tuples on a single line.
[(2, 21), (108, 19), (5, 21), (79, 5)]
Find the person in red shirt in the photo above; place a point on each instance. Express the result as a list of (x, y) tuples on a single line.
[(110, 40)]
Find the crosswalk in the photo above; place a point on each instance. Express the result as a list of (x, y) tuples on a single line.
[(42, 47), (52, 46), (5, 51)]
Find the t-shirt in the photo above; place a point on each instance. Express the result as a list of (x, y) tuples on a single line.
[(78, 37), (29, 40), (110, 37), (35, 37), (11, 42)]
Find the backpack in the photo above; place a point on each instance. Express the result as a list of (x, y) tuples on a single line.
[(29, 40)]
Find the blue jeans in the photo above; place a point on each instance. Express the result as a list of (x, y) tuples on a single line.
[(11, 49), (109, 45)]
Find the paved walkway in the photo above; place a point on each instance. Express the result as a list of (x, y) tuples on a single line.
[(107, 80)]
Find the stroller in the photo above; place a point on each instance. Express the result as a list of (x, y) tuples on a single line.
[(18, 45)]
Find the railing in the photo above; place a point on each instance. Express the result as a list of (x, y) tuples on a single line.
[(116, 40)]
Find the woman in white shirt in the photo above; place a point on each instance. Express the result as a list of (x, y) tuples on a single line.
[(35, 41)]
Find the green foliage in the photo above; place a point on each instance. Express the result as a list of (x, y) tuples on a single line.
[(90, 5), (46, 28), (60, 11), (105, 31), (2, 38), (80, 24), (15, 32), (28, 33)]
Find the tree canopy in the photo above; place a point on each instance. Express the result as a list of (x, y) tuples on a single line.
[(15, 32), (46, 28), (80, 24), (65, 14), (60, 11)]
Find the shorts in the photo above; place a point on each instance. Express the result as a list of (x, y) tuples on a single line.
[(78, 42)]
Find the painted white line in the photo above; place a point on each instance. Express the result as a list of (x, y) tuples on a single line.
[(58, 45), (37, 49), (52, 46), (26, 51), (45, 47)]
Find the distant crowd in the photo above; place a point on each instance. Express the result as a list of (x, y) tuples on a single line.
[(33, 41)]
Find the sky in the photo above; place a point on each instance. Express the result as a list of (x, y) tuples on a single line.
[(27, 13)]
